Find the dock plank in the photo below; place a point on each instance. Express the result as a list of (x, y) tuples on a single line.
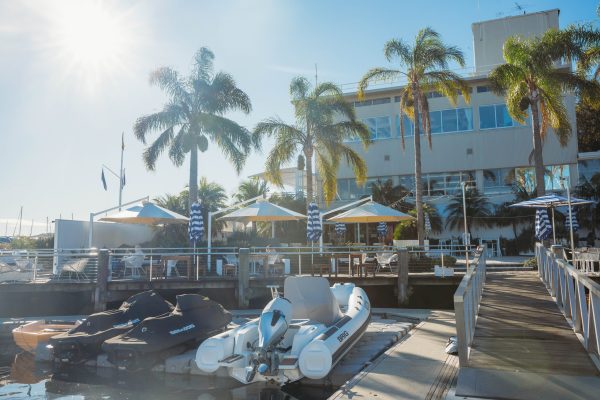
[(522, 335)]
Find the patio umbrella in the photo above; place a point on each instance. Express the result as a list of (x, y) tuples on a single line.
[(427, 225), (572, 221), (371, 212), (263, 211), (340, 228), (196, 226), (552, 201), (543, 229), (313, 228), (146, 213), (382, 229)]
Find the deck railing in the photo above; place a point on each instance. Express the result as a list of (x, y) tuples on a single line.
[(577, 296), (466, 304), (41, 265)]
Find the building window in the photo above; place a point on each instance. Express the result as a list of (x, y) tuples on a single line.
[(498, 180), (556, 177), (382, 100), (482, 89), (380, 127), (495, 116), (433, 95), (446, 184), (409, 127), (452, 120), (587, 170)]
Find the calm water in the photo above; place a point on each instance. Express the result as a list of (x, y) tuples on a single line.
[(26, 379)]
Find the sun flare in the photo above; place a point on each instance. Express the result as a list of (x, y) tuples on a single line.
[(91, 39)]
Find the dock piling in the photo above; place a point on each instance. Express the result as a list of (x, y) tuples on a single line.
[(243, 278), (100, 293), (402, 281)]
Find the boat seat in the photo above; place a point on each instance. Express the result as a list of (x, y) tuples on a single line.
[(312, 299)]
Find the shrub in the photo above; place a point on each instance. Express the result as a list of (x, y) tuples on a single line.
[(531, 263)]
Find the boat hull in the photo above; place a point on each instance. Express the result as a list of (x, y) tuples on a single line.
[(29, 336)]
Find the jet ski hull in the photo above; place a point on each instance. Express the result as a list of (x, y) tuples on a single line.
[(194, 319), (85, 341)]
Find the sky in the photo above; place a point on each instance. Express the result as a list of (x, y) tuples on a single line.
[(74, 77)]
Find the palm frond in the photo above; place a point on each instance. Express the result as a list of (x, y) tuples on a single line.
[(299, 88), (168, 80), (397, 48), (376, 74), (171, 115), (176, 150), (505, 76), (157, 147), (203, 64)]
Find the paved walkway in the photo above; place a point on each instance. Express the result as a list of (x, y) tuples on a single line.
[(415, 368)]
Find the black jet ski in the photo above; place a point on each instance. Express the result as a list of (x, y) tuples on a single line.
[(194, 319), (85, 341)]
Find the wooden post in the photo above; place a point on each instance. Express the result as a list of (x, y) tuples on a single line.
[(100, 293), (243, 278), (402, 276)]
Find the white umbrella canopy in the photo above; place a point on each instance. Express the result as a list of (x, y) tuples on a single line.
[(371, 212), (264, 211), (148, 214)]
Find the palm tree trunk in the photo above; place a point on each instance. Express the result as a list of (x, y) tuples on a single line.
[(309, 178), (418, 184), (193, 176), (537, 151)]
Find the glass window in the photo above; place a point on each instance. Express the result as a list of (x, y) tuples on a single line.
[(503, 119), (587, 169), (408, 125), (407, 182), (342, 189), (372, 125), (497, 180), (449, 121), (435, 119), (487, 117), (465, 119), (482, 89), (382, 100), (384, 130), (556, 177)]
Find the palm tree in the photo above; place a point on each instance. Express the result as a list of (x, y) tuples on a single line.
[(250, 189), (194, 115), (324, 121), (408, 229), (477, 207), (213, 197), (530, 80), (505, 215), (425, 66)]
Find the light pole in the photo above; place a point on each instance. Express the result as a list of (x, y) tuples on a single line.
[(465, 223)]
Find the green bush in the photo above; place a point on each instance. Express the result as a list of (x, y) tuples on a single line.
[(531, 263)]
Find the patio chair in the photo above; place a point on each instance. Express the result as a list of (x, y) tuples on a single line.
[(134, 264), (385, 260), (76, 267)]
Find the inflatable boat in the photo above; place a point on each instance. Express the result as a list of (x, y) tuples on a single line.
[(84, 341), (301, 335), (29, 336), (194, 319)]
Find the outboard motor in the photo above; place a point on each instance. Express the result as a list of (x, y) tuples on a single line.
[(272, 325)]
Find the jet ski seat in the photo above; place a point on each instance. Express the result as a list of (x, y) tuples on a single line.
[(312, 299)]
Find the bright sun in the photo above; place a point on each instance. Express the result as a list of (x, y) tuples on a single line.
[(91, 39)]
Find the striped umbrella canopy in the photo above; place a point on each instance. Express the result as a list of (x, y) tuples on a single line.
[(196, 226), (382, 229), (551, 200), (543, 228), (313, 228), (427, 224), (340, 228), (572, 221)]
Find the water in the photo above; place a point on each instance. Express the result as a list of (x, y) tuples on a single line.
[(26, 379)]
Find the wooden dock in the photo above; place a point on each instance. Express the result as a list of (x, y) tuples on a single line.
[(523, 347)]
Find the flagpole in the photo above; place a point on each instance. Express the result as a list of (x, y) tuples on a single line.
[(121, 170)]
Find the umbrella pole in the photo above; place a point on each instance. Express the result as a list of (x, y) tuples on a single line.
[(571, 226), (196, 262), (553, 227)]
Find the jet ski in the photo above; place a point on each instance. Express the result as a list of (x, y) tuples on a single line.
[(84, 342), (194, 319), (301, 335)]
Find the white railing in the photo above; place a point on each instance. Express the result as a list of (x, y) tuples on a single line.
[(577, 296), (466, 304)]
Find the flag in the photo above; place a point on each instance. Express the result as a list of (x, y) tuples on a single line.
[(123, 179), (103, 180)]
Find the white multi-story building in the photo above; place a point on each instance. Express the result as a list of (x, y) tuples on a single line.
[(476, 142)]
